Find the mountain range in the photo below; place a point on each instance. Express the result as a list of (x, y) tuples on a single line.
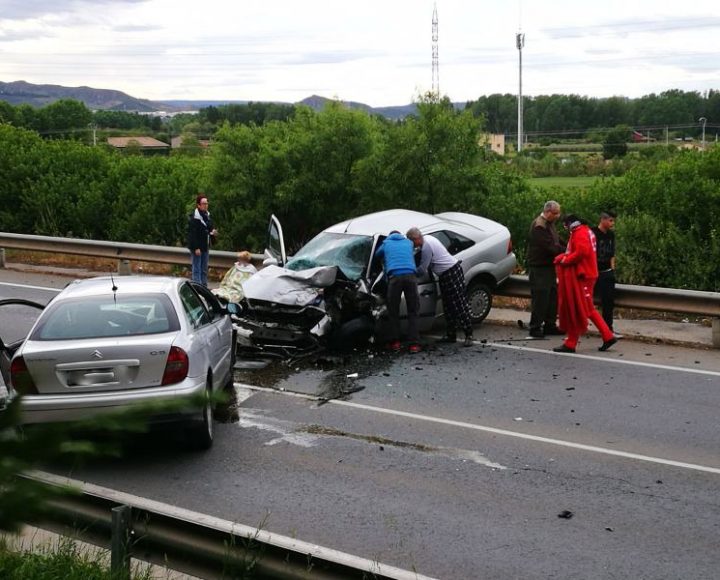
[(21, 92)]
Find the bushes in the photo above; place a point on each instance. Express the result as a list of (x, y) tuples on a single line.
[(319, 168)]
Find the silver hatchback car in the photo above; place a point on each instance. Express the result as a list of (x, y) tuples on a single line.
[(107, 343)]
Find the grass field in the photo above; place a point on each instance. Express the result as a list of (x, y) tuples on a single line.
[(562, 182)]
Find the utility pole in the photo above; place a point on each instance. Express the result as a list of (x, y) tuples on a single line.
[(703, 120), (93, 126), (520, 43), (435, 61)]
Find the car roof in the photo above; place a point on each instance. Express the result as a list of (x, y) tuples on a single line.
[(123, 285), (384, 222)]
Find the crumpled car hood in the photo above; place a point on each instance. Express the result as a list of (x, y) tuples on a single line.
[(283, 286)]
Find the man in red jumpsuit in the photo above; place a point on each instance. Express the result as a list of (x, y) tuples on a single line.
[(577, 273)]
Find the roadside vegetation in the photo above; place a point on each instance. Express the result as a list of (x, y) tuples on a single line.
[(313, 169), (64, 559)]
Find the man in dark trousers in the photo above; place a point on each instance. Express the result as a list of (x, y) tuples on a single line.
[(201, 232), (435, 258), (543, 246), (605, 287), (399, 265)]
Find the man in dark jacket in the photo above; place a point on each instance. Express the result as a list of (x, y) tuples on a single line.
[(201, 233), (543, 246), (605, 287), (399, 265)]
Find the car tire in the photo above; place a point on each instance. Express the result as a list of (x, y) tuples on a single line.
[(479, 298), (202, 432)]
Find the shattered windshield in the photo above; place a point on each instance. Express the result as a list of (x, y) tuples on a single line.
[(348, 252)]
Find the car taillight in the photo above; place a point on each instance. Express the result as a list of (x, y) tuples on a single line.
[(20, 377), (509, 246), (176, 367)]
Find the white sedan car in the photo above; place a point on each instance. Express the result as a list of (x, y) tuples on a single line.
[(331, 292), (107, 343)]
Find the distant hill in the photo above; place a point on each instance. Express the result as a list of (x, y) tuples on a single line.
[(21, 92)]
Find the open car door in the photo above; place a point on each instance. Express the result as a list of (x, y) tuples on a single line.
[(17, 317), (275, 244)]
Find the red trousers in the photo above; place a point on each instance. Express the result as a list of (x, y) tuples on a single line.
[(594, 316)]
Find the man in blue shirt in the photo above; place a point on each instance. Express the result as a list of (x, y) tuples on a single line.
[(399, 265)]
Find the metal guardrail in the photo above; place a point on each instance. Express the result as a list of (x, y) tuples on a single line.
[(641, 297), (113, 250), (627, 296), (194, 543)]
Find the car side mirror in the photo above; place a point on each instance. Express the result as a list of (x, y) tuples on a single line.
[(270, 262), (234, 308)]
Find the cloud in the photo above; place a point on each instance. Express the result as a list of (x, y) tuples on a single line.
[(20, 35), (28, 9), (136, 28), (622, 28)]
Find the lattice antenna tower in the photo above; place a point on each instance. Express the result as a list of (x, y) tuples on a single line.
[(435, 63)]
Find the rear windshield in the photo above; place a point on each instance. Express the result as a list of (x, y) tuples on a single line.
[(103, 316), (350, 253)]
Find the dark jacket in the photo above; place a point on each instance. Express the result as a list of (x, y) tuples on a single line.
[(199, 227), (397, 252), (543, 243)]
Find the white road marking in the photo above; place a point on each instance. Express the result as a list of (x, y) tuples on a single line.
[(31, 287), (289, 433), (604, 359), (495, 431)]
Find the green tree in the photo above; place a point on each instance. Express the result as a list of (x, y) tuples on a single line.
[(615, 142)]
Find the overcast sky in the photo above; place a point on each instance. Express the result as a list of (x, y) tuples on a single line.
[(372, 51)]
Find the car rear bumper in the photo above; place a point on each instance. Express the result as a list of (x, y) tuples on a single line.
[(74, 407)]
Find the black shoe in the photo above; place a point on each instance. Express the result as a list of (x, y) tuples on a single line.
[(536, 334), (469, 341), (553, 331), (448, 338), (607, 344), (563, 348)]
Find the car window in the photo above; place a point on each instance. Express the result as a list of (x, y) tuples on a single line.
[(106, 316), (350, 253), (452, 241), (209, 301), (194, 308)]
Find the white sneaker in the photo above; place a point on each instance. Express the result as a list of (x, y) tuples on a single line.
[(618, 335)]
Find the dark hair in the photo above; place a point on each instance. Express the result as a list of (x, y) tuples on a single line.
[(199, 198), (571, 217), (607, 214), (393, 232)]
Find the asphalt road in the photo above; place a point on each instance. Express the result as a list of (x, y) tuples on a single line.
[(458, 462)]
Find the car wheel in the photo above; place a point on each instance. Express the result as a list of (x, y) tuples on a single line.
[(202, 433), (480, 300)]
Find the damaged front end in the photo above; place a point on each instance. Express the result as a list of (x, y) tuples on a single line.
[(296, 312)]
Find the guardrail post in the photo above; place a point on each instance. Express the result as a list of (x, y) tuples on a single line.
[(124, 268), (120, 542), (716, 332), (2, 257)]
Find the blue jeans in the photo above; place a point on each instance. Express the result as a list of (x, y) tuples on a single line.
[(200, 267)]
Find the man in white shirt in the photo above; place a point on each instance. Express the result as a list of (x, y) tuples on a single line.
[(436, 258)]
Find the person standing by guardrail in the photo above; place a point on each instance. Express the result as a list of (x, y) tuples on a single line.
[(605, 287), (201, 234), (543, 245), (577, 273)]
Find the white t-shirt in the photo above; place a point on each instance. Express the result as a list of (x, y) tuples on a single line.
[(435, 257)]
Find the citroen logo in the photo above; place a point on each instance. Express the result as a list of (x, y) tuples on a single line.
[(96, 354)]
